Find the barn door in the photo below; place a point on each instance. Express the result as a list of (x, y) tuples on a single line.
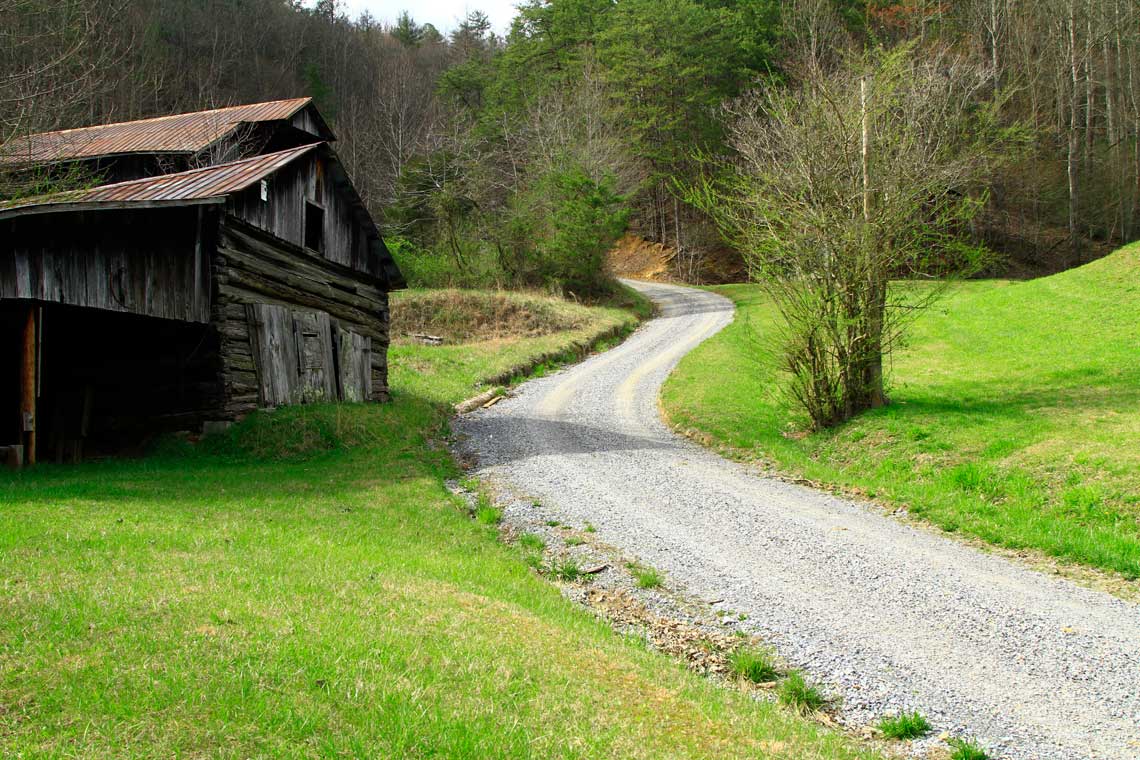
[(354, 365), (316, 368), (293, 354), (274, 347)]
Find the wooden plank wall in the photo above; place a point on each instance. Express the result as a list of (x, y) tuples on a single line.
[(305, 121), (354, 366), (252, 268), (147, 262)]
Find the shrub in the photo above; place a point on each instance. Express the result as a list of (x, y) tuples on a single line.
[(588, 217), (904, 726), (553, 231)]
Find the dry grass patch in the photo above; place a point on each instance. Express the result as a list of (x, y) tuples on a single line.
[(469, 316)]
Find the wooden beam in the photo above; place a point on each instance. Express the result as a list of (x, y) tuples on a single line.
[(56, 208), (28, 386)]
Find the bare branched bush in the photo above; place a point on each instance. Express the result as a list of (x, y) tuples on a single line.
[(54, 56), (859, 177)]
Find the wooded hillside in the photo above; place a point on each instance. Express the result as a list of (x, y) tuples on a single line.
[(512, 160)]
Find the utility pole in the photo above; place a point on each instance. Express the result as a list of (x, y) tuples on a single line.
[(878, 299)]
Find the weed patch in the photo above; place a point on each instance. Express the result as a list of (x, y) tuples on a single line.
[(532, 542), (567, 570), (488, 515)]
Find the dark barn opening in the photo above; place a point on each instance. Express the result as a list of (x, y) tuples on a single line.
[(110, 381), (314, 227), (106, 381)]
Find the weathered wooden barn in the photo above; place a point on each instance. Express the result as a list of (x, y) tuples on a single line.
[(175, 300)]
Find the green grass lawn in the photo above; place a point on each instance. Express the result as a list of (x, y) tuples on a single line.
[(1015, 414), (305, 586)]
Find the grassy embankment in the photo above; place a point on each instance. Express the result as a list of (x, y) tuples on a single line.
[(1015, 414), (305, 586)]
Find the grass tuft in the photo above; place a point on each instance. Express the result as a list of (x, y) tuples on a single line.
[(532, 541), (797, 693), (566, 569), (487, 513), (904, 726), (646, 577), (755, 665), (966, 750)]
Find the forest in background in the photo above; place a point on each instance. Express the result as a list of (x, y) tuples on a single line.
[(518, 160)]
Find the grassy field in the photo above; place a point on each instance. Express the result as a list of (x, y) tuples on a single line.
[(305, 586), (1015, 414)]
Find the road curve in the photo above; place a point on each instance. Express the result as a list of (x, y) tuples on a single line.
[(886, 615)]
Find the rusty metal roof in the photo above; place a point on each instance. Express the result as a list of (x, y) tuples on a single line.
[(180, 133), (212, 183)]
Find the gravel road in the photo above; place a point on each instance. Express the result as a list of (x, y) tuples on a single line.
[(886, 616)]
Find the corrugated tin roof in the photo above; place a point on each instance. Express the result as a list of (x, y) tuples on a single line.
[(196, 185), (180, 133)]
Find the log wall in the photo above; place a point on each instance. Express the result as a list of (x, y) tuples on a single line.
[(253, 268)]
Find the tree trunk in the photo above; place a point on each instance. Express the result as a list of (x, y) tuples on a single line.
[(873, 377), (1074, 139)]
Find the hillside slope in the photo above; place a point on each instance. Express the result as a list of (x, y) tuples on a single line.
[(1012, 411)]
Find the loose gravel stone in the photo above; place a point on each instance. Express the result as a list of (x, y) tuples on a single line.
[(889, 617)]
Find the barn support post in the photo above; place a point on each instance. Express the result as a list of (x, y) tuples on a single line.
[(28, 385)]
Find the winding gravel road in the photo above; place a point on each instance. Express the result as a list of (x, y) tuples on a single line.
[(887, 616)]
